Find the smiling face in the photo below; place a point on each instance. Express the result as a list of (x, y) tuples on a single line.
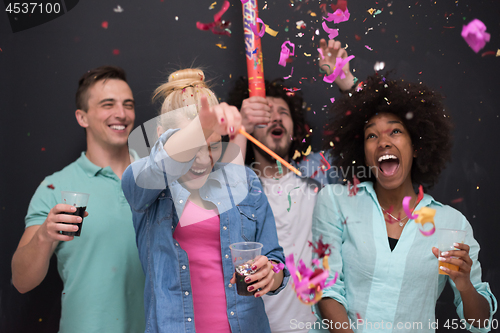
[(110, 115), (389, 150), (277, 135)]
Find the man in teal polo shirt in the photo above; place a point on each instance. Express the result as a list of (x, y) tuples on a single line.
[(102, 275)]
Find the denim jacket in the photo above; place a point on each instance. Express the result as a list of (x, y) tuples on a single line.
[(157, 201)]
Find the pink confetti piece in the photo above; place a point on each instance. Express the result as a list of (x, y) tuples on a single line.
[(286, 53), (254, 28), (338, 16), (244, 1), (354, 189), (332, 99), (332, 32), (307, 283), (340, 63), (429, 232), (278, 267), (369, 48), (289, 76), (320, 51), (218, 26), (406, 208), (475, 35)]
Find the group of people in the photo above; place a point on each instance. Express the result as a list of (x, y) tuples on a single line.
[(154, 252)]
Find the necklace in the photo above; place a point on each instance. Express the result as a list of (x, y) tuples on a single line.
[(402, 221)]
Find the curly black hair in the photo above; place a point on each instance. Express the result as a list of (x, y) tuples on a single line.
[(420, 109), (293, 97)]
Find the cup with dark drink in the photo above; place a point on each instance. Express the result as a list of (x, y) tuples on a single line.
[(244, 255), (78, 200)]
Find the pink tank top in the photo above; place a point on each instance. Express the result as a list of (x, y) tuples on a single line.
[(198, 233)]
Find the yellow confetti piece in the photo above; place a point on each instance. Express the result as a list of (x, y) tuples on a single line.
[(308, 151), (307, 54), (498, 53), (313, 14), (296, 155), (221, 46), (371, 11), (212, 6), (271, 31)]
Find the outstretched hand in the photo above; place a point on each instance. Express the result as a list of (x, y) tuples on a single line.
[(331, 51), (223, 119)]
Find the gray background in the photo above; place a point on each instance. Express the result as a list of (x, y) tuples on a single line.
[(40, 67)]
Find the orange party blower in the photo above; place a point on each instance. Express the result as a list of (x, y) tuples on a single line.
[(270, 152)]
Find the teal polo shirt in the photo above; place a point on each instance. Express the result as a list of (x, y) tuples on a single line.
[(102, 275)]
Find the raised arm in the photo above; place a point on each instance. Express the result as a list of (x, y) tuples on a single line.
[(331, 51)]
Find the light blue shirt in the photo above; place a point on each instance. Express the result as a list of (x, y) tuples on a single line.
[(397, 289)]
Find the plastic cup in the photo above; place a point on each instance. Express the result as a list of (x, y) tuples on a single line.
[(78, 200), (244, 255), (446, 238)]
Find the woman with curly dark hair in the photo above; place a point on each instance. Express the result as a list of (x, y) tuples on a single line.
[(389, 137)]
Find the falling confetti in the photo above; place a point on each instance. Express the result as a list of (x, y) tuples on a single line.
[(290, 199), (280, 170), (338, 16), (218, 26), (475, 35), (337, 71), (212, 6), (379, 66), (308, 151), (118, 9), (221, 46), (271, 31), (254, 28), (369, 48), (286, 53), (332, 99), (116, 52), (332, 32), (104, 24), (353, 190), (51, 186)]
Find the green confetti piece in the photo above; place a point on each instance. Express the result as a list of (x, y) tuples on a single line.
[(290, 199), (286, 29), (279, 167), (28, 133), (323, 71)]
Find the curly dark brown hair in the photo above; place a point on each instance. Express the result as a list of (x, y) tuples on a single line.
[(420, 109), (277, 88)]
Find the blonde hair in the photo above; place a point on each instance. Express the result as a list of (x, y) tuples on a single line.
[(184, 87)]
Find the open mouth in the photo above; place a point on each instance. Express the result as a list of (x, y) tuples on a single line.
[(277, 132), (198, 172), (388, 164)]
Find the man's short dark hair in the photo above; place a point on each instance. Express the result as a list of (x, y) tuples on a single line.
[(420, 109), (294, 100), (91, 77)]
